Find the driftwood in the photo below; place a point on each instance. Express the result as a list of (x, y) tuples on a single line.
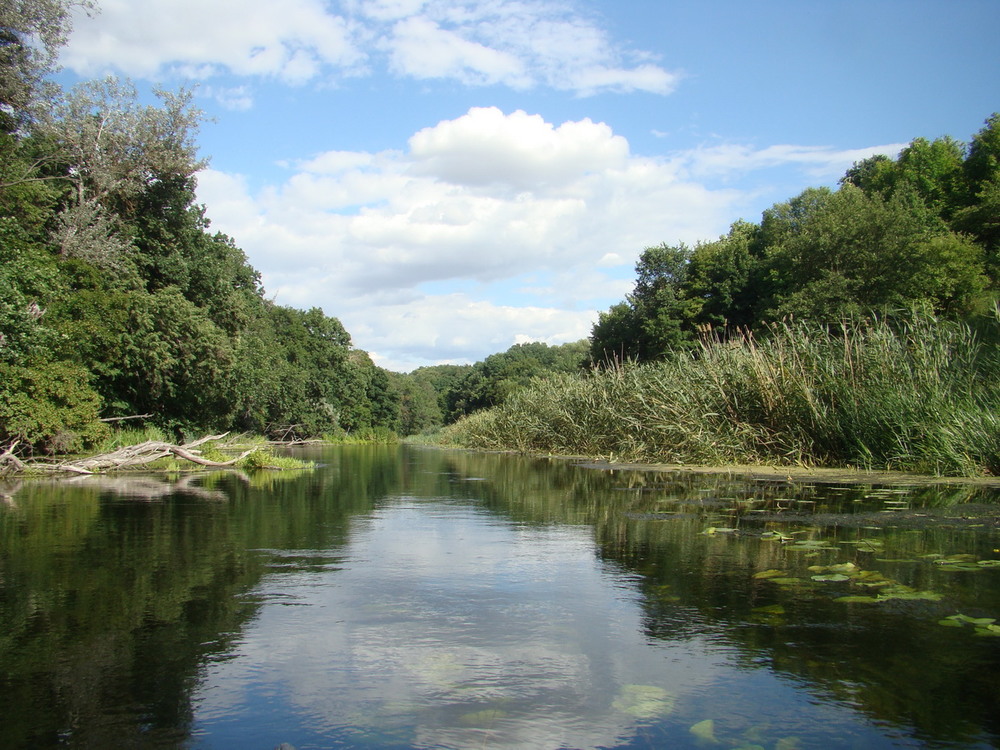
[(8, 458), (123, 419), (139, 455)]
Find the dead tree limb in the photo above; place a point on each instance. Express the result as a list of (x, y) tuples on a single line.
[(141, 454), (8, 457)]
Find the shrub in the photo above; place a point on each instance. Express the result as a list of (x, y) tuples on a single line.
[(50, 407)]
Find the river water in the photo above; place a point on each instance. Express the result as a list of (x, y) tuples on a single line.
[(400, 597)]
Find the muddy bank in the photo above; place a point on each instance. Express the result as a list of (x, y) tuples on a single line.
[(798, 474)]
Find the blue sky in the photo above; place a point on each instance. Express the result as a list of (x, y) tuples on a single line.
[(451, 177)]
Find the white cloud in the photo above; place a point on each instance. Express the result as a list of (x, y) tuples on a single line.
[(522, 151), (292, 40), (447, 327), (489, 229), (422, 49), (818, 162), (479, 42)]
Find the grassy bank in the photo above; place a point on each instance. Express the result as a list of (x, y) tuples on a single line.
[(922, 395)]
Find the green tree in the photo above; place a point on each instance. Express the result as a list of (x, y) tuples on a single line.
[(31, 34), (839, 254), (48, 406), (723, 279), (657, 317)]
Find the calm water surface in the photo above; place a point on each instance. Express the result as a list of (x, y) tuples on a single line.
[(411, 598)]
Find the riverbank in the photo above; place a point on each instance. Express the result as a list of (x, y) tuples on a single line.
[(920, 395), (156, 454), (794, 475)]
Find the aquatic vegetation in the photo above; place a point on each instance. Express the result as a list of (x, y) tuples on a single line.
[(916, 396), (984, 626), (644, 701), (704, 731)]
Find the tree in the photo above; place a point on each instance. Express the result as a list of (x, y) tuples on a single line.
[(849, 252), (31, 33), (723, 279), (113, 149), (982, 165), (657, 317)]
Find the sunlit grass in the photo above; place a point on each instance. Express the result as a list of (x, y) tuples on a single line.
[(379, 435), (922, 395)]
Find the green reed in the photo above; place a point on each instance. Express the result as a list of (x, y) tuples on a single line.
[(914, 393)]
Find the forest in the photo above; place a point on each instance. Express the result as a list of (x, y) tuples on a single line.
[(119, 302)]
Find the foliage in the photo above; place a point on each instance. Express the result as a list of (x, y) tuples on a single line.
[(48, 406), (115, 297), (500, 375), (920, 229), (919, 393)]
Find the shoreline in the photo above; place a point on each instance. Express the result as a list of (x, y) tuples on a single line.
[(789, 474)]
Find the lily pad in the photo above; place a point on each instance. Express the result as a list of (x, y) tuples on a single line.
[(810, 545), (644, 701), (989, 563), (856, 600), (771, 573), (931, 596), (776, 536), (977, 621), (712, 530), (831, 577), (847, 567)]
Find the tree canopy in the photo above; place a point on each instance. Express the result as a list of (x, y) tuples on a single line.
[(116, 298), (921, 229)]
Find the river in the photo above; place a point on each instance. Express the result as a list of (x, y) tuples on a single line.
[(402, 597)]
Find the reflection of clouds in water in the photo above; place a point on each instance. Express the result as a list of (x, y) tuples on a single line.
[(448, 627)]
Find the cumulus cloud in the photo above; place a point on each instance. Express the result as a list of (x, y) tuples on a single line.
[(292, 41), (521, 44), (487, 229), (520, 150)]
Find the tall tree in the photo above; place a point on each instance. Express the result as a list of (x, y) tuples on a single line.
[(31, 33)]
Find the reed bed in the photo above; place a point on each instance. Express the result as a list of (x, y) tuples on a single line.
[(917, 394)]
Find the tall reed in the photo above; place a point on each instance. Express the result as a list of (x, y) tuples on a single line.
[(912, 394)]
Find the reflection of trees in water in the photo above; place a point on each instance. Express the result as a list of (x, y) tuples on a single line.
[(890, 660), (110, 607), (115, 591)]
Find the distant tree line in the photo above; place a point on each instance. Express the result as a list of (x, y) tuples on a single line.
[(922, 229), (116, 298), (440, 394)]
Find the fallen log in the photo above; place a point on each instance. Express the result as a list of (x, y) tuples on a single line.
[(8, 458), (130, 456)]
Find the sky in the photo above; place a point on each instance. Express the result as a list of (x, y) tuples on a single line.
[(453, 177)]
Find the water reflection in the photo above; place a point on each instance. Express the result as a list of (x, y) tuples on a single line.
[(447, 628), (413, 598)]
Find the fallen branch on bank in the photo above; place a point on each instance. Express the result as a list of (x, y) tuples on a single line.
[(141, 454), (8, 458)]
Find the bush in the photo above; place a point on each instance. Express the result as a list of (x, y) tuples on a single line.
[(50, 407)]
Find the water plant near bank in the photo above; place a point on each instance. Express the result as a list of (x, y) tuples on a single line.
[(911, 393)]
